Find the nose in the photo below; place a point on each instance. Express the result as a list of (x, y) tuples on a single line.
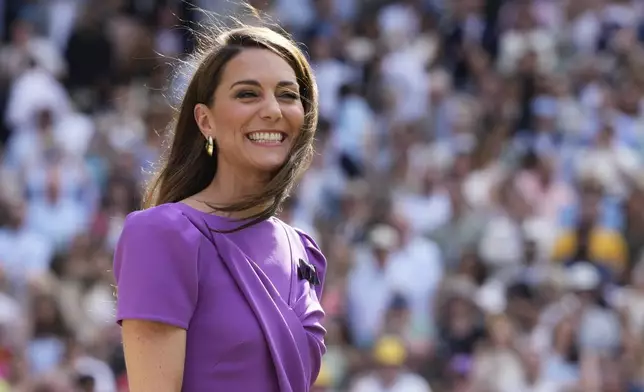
[(271, 110)]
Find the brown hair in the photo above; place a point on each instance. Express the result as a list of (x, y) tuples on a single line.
[(187, 169)]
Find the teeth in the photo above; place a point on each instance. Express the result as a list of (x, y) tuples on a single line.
[(265, 137)]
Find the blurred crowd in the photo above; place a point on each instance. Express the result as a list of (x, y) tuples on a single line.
[(478, 186)]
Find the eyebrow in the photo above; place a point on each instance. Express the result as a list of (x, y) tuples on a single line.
[(283, 83)]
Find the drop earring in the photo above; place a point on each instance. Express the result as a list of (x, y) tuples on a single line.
[(210, 146)]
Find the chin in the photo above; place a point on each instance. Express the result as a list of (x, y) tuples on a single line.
[(268, 165)]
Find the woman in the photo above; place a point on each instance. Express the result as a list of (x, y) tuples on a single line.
[(214, 292)]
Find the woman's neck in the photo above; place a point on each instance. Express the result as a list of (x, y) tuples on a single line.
[(226, 189)]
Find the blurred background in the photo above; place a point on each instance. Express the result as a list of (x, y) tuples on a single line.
[(478, 187)]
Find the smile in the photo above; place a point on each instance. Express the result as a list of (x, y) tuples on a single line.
[(266, 137)]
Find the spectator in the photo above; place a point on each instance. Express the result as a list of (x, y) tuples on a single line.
[(389, 355)]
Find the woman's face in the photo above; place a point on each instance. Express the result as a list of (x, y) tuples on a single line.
[(256, 114)]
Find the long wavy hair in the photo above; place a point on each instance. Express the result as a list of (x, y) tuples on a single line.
[(187, 169)]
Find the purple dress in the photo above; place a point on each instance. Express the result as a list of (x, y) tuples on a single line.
[(253, 324)]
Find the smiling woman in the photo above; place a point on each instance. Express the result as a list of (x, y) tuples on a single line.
[(214, 292)]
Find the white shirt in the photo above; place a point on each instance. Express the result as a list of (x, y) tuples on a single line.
[(425, 213), (414, 271)]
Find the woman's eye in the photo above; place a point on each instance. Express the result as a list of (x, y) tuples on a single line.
[(246, 94), (290, 95)]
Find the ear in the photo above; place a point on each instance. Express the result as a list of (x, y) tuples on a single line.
[(203, 118)]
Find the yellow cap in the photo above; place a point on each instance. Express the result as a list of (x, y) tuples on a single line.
[(390, 351)]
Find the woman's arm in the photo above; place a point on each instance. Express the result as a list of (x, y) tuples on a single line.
[(154, 356)]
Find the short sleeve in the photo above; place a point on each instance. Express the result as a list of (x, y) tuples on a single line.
[(156, 267)]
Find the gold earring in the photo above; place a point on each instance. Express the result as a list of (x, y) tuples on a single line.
[(210, 146)]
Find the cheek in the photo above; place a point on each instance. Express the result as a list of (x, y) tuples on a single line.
[(295, 117), (229, 120)]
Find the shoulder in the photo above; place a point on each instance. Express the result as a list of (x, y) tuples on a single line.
[(313, 252), (159, 230), (309, 243), (164, 221), (163, 215)]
